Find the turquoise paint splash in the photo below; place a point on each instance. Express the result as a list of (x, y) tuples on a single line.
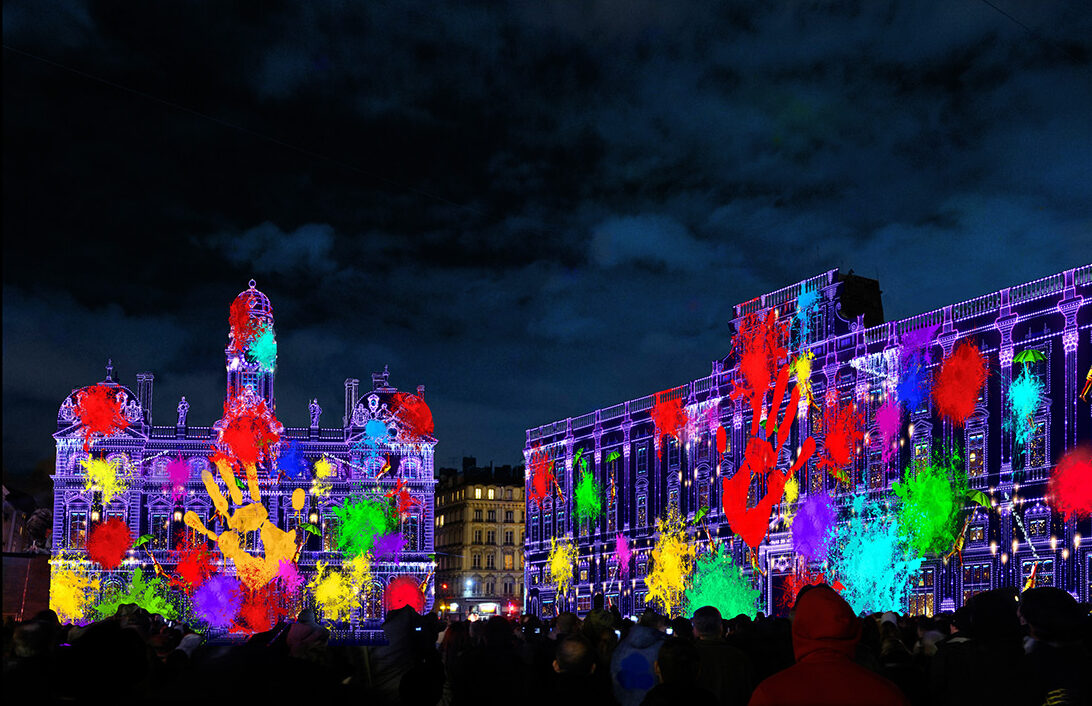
[(263, 349), (719, 583), (589, 504), (870, 556), (362, 519), (1025, 396), (805, 307), (930, 503), (146, 594)]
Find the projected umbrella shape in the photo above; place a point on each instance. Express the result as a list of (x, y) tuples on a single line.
[(1030, 355)]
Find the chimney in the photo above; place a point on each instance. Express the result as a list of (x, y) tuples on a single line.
[(144, 394), (352, 387)]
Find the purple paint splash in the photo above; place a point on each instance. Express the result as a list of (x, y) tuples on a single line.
[(888, 418), (622, 554), (177, 475), (218, 600), (389, 545), (914, 356), (915, 344), (810, 528)]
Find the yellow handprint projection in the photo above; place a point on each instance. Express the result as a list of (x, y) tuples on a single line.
[(254, 571)]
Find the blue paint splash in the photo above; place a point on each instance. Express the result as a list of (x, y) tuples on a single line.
[(805, 307), (290, 461)]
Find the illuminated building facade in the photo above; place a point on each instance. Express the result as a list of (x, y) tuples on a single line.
[(374, 450), (856, 357), (479, 540)]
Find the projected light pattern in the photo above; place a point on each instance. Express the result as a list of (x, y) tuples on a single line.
[(990, 387), (241, 522)]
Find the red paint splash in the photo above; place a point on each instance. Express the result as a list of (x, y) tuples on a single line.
[(790, 589), (760, 459), (99, 410), (403, 591), (761, 346), (108, 541), (959, 382), (843, 427), (403, 501), (668, 416), (244, 328), (178, 472), (1070, 488), (414, 415), (249, 431), (195, 565), (722, 440), (263, 608), (542, 475)]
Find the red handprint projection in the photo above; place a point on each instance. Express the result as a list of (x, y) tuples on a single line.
[(843, 429), (541, 471), (760, 345), (668, 416), (760, 459)]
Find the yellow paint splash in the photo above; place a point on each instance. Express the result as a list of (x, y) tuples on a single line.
[(672, 563), (792, 494), (108, 476), (336, 592), (72, 589), (562, 559), (324, 470), (801, 368)]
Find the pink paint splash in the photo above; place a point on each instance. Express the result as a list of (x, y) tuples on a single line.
[(668, 416), (959, 382), (1070, 488), (888, 419), (99, 410), (403, 591), (107, 543), (843, 427), (760, 459), (178, 473), (289, 576), (622, 554)]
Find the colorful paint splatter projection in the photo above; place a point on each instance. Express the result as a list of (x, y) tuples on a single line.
[(540, 468), (672, 563), (361, 520), (1070, 487), (178, 474), (959, 382), (931, 502), (589, 497), (98, 409), (263, 349), (108, 476), (413, 415), (148, 594), (561, 560), (72, 588), (108, 541), (622, 554), (404, 591), (218, 600), (812, 526), (1025, 395), (869, 555), (843, 429), (668, 415), (888, 420), (720, 583)]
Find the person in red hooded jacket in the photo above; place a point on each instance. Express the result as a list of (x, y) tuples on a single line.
[(824, 635)]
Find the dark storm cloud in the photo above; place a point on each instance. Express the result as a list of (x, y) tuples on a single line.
[(533, 208)]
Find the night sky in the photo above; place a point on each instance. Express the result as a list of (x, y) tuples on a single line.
[(535, 209)]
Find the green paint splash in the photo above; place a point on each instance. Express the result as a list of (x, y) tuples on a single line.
[(589, 503), (361, 520), (263, 349), (149, 595), (1025, 395), (870, 556), (931, 501), (719, 583)]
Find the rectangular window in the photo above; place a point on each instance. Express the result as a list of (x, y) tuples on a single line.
[(976, 454), (476, 561), (583, 576), (921, 604), (1039, 526), (77, 530), (491, 537), (161, 530), (977, 533), (1044, 574), (1036, 451), (477, 515), (508, 536), (921, 454), (925, 578), (508, 516), (477, 493), (477, 536), (490, 561), (642, 460), (642, 511), (875, 469), (509, 562), (491, 516), (673, 498), (490, 587)]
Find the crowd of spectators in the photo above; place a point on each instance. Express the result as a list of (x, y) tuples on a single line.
[(1002, 648)]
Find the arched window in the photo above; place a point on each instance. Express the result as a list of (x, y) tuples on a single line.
[(373, 601)]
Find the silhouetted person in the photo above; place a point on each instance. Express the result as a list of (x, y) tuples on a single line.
[(726, 671), (825, 632), (677, 667), (631, 666), (1057, 666), (574, 680)]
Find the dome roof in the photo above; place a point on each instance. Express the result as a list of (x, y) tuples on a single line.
[(259, 306)]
